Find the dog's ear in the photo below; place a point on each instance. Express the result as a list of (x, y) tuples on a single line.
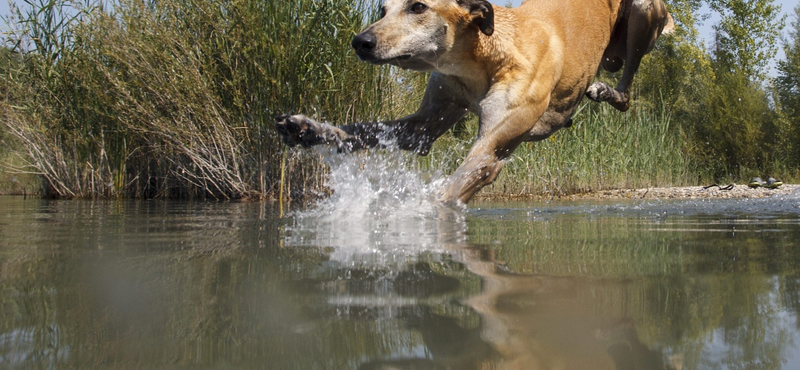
[(482, 15)]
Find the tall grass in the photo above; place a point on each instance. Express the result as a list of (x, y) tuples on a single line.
[(604, 149), (176, 98)]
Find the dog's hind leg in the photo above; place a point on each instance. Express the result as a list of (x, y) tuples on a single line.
[(643, 25), (647, 20)]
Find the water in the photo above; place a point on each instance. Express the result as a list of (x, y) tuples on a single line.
[(383, 278)]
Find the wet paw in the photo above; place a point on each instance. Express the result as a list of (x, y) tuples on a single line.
[(622, 104), (298, 129), (599, 92)]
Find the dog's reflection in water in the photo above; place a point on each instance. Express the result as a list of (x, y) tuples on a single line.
[(528, 322)]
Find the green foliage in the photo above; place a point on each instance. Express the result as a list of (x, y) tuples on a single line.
[(788, 81), (737, 131), (734, 127), (10, 63), (747, 36), (787, 85), (46, 26), (678, 70), (718, 98)]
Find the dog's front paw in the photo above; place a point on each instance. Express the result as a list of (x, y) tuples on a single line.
[(299, 129)]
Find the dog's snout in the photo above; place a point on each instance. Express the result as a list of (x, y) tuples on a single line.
[(364, 43)]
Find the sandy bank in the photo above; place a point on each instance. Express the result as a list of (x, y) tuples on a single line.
[(688, 192)]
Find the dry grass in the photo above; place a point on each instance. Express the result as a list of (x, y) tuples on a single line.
[(177, 98)]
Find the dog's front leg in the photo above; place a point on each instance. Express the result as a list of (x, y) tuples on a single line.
[(500, 133), (477, 171), (416, 132), (301, 130), (442, 106)]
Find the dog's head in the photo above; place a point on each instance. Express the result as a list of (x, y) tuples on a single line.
[(415, 34)]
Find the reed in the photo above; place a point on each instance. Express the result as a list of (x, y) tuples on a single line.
[(177, 99), (604, 149)]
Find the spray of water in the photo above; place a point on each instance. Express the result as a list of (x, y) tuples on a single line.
[(382, 207)]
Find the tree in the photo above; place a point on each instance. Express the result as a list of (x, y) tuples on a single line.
[(788, 80), (735, 131), (787, 86), (746, 36), (678, 70)]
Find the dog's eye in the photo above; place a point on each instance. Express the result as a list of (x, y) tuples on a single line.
[(383, 11), (418, 8)]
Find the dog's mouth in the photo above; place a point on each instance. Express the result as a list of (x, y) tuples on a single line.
[(405, 61), (399, 59), (392, 60)]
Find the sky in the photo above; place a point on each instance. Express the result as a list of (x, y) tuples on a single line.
[(706, 30)]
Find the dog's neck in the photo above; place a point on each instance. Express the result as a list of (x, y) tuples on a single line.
[(478, 59)]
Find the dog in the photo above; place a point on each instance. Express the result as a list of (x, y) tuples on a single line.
[(523, 71)]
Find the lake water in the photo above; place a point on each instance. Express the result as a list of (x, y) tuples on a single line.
[(591, 285)]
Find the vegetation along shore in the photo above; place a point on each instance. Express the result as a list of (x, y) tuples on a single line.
[(177, 98)]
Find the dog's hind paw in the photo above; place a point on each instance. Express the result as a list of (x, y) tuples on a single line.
[(599, 92)]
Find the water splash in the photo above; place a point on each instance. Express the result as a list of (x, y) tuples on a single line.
[(383, 208)]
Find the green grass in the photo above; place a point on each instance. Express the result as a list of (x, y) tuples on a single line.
[(604, 149)]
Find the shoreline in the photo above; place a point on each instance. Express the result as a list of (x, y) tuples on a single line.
[(670, 192)]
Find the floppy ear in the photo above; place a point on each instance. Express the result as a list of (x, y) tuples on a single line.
[(482, 15)]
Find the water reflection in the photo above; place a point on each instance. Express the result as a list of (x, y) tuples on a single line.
[(623, 285)]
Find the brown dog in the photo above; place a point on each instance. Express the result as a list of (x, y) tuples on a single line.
[(522, 70)]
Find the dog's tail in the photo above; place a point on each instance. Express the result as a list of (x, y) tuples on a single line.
[(669, 27)]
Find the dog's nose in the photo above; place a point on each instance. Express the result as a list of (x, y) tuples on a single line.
[(364, 43)]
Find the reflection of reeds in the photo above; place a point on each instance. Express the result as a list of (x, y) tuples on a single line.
[(603, 248)]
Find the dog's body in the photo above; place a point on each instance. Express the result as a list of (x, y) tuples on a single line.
[(523, 71)]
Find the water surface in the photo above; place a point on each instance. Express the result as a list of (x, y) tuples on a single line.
[(397, 283)]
